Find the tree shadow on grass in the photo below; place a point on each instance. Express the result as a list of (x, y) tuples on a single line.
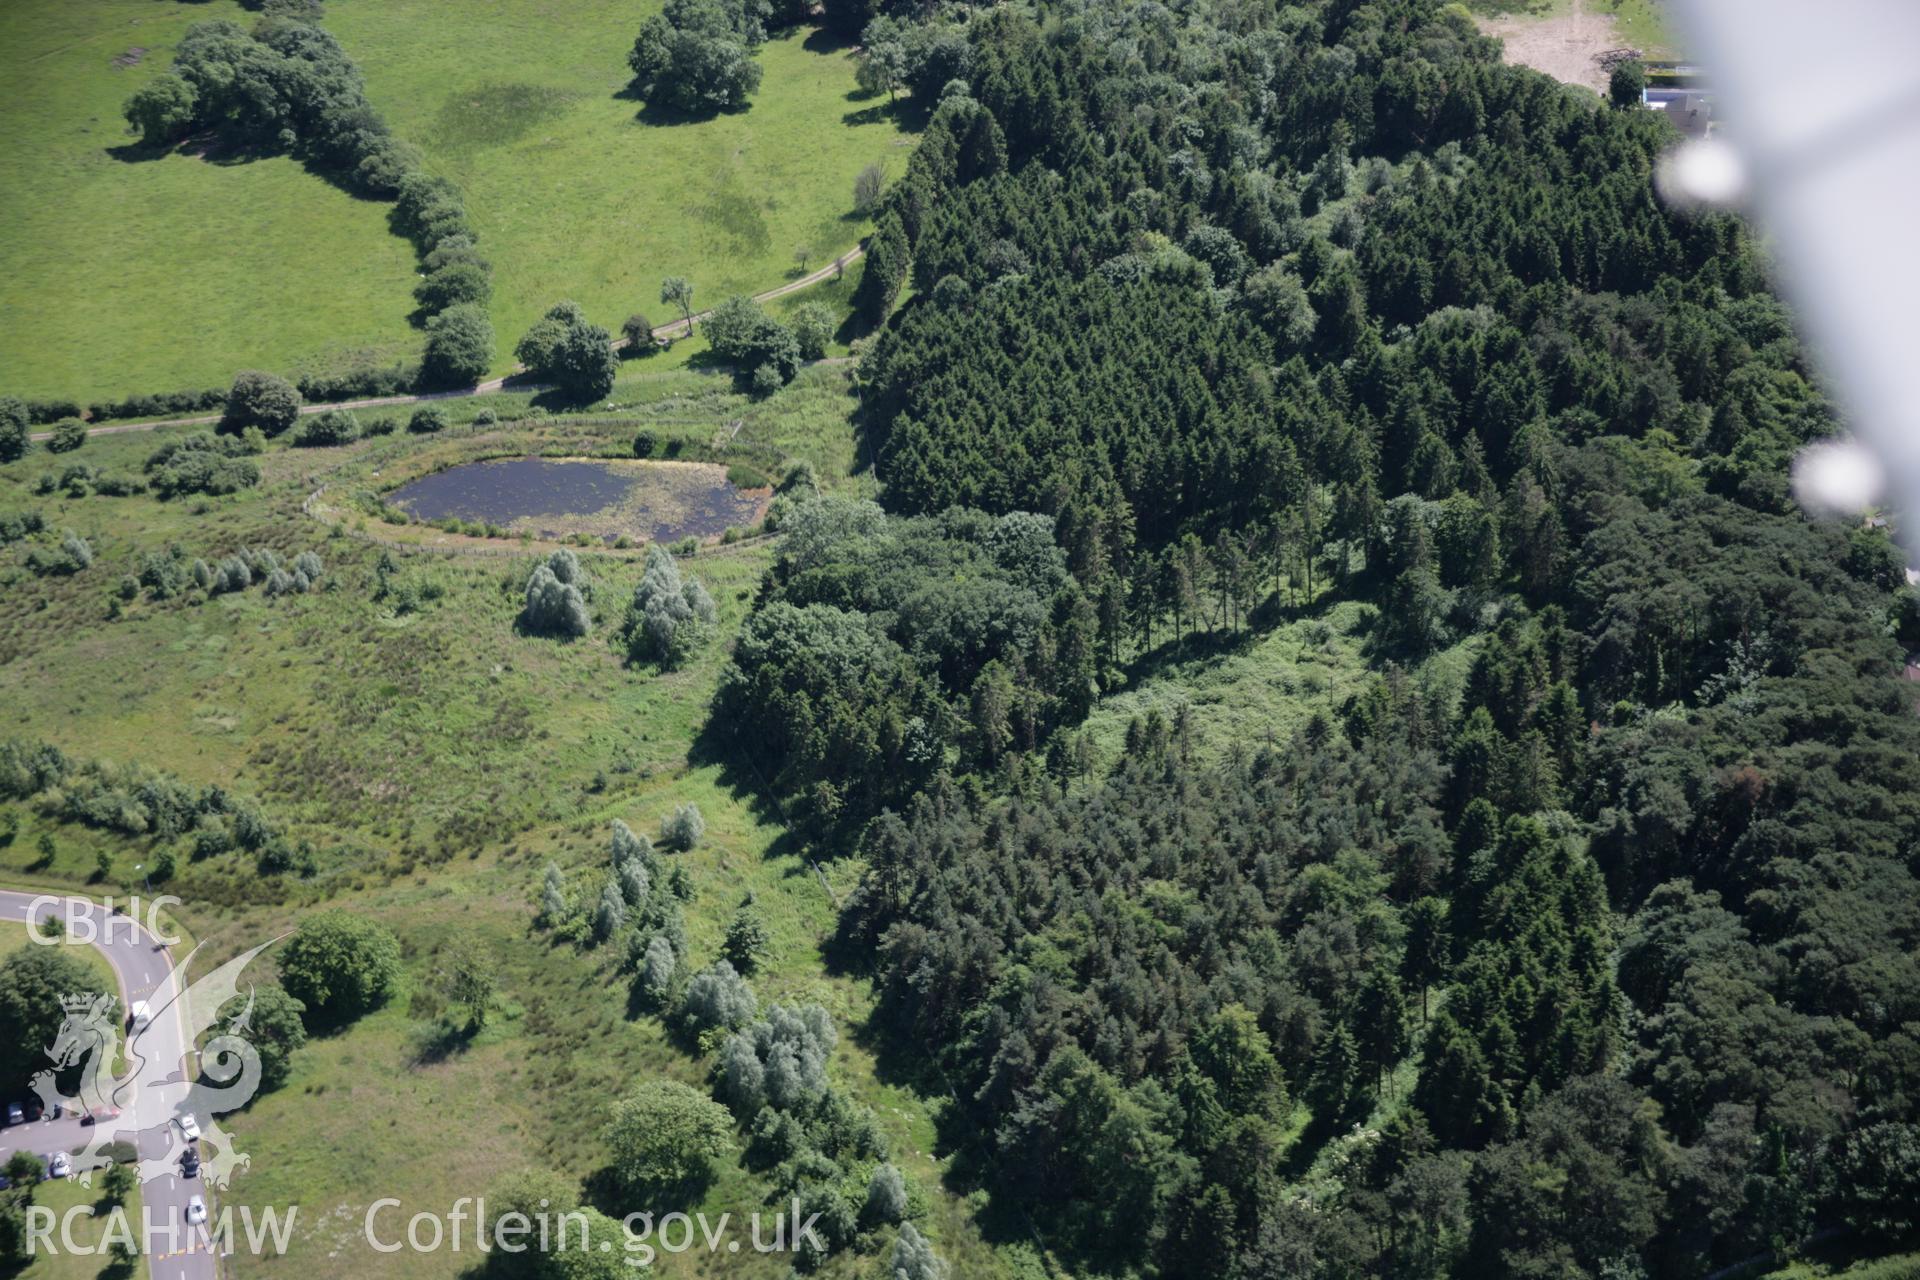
[(641, 1003), (440, 1041), (961, 1139), (718, 744), (603, 1191), (868, 115), (324, 1024), (658, 115), (824, 40), (137, 153)]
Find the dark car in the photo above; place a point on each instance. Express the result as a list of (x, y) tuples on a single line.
[(33, 1108), (189, 1163)]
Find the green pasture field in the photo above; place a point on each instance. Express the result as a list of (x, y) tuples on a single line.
[(577, 192), (438, 760), (121, 274)]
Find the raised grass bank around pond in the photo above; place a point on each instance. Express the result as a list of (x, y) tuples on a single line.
[(602, 498)]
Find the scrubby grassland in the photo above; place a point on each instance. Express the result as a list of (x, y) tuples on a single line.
[(122, 273), (1644, 24), (1261, 688), (428, 728), (577, 194), (438, 760)]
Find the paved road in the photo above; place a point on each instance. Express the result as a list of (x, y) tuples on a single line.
[(143, 965), (661, 333)]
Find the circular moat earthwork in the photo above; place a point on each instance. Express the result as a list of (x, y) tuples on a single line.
[(603, 498)]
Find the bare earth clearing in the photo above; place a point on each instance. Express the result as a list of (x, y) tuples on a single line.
[(1562, 45)]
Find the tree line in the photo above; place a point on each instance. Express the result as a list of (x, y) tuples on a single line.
[(287, 86)]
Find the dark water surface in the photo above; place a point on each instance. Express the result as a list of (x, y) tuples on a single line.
[(509, 489), (664, 503)]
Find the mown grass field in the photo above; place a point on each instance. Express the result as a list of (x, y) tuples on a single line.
[(576, 192), (438, 761), (122, 275), (62, 1197)]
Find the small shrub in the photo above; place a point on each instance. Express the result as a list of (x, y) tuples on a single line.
[(719, 997), (427, 419), (329, 427), (68, 435), (260, 400), (813, 329), (867, 187), (669, 615), (684, 829), (747, 940), (638, 331), (554, 602)]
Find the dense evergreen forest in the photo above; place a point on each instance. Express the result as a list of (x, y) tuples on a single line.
[(1598, 963)]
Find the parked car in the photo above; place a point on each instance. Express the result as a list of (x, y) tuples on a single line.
[(15, 1114), (189, 1128), (196, 1210), (60, 1165)]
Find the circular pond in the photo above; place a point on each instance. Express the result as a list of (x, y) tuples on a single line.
[(559, 497)]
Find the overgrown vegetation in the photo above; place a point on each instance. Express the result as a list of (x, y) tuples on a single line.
[(1352, 310)]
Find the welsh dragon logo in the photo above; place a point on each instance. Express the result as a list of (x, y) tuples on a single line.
[(141, 1109)]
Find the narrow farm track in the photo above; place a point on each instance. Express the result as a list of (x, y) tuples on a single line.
[(682, 327)]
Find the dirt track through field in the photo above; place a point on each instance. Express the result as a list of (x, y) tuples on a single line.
[(1563, 46), (682, 328)]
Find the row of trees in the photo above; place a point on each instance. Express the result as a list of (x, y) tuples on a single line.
[(16, 431), (288, 86), (771, 1079)]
